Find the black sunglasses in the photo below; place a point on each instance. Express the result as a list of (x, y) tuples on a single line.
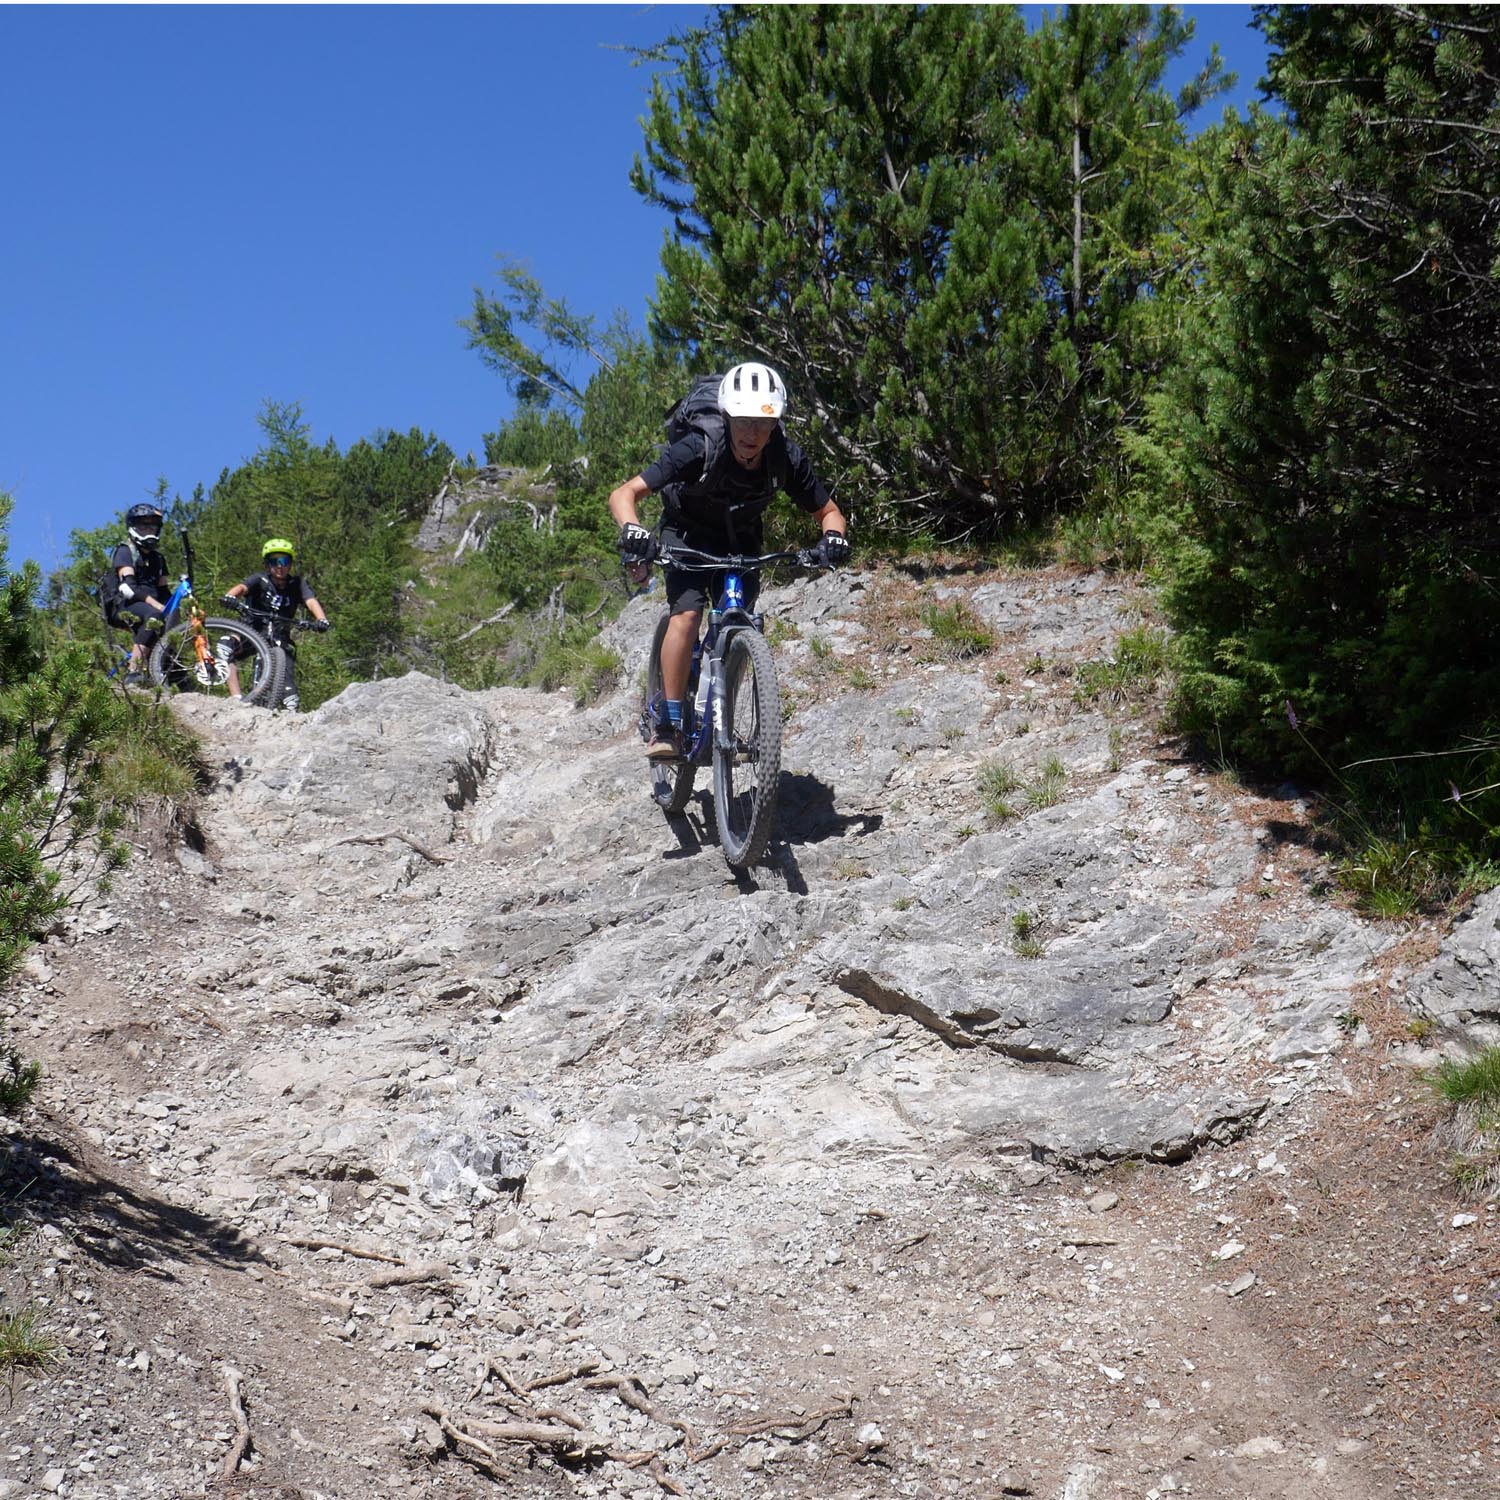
[(278, 562)]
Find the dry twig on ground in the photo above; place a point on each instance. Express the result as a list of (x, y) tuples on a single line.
[(354, 1250), (433, 1270), (240, 1451)]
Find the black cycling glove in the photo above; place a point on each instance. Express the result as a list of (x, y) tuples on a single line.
[(833, 550), (635, 543)]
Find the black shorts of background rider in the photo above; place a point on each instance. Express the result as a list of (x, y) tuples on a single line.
[(693, 588), (143, 622)]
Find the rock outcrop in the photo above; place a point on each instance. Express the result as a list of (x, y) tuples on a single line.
[(787, 1151)]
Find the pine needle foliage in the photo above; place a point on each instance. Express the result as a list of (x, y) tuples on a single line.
[(948, 233), (1324, 455)]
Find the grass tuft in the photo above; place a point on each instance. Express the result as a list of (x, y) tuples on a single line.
[(1472, 1087), (1140, 661), (998, 781), (1051, 780), (958, 632), (23, 1345)]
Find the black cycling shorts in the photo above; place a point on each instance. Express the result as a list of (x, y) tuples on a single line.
[(690, 589)]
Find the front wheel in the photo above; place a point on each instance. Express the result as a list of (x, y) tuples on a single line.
[(747, 749), (672, 782), (195, 659)]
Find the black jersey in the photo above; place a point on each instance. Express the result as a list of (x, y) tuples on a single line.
[(281, 604), (721, 510), (150, 570)]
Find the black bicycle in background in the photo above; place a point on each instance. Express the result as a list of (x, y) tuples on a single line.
[(732, 711), (277, 631)]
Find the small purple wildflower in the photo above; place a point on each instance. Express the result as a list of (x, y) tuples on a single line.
[(1454, 795), (1291, 714)]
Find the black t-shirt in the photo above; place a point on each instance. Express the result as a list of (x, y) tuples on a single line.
[(262, 594), (150, 571), (721, 510)]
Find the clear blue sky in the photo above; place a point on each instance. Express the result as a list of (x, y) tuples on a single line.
[(209, 206)]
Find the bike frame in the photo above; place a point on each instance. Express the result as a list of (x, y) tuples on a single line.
[(182, 596), (703, 732)]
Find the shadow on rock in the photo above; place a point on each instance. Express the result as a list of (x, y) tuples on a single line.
[(808, 815), (693, 828), (48, 1182)]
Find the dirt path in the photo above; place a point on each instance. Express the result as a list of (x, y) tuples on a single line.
[(1002, 1336)]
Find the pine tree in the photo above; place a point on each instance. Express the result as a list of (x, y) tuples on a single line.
[(1327, 454), (943, 231)]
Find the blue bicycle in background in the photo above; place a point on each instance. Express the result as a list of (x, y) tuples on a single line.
[(195, 651), (732, 712)]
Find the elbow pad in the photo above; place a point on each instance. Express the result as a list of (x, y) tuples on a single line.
[(127, 591)]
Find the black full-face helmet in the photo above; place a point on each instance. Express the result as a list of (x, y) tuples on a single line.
[(144, 522)]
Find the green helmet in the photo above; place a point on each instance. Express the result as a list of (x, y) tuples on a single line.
[(278, 544)]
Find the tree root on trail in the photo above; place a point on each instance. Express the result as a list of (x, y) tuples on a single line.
[(794, 1428), (560, 1429), (576, 1441), (241, 1449), (380, 838), (910, 1241), (432, 1270), (633, 1394), (354, 1250), (565, 1433)]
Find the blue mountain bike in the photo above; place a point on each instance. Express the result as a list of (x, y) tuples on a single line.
[(732, 712)]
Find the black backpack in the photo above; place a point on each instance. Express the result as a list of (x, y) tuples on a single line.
[(107, 591), (698, 411)]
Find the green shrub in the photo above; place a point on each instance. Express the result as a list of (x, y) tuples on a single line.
[(18, 1080), (1024, 939), (533, 439), (594, 671)]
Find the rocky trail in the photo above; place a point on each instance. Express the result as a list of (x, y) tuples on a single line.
[(445, 1121)]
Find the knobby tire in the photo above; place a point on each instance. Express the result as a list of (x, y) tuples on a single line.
[(279, 674), (174, 662), (747, 750), (672, 783)]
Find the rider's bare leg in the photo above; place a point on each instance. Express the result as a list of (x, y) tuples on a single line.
[(677, 653)]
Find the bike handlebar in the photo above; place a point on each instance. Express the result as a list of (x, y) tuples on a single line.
[(249, 612), (691, 557)]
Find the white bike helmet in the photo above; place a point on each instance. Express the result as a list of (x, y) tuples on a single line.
[(752, 390)]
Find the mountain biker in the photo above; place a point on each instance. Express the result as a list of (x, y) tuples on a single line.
[(142, 587), (275, 596), (715, 502)]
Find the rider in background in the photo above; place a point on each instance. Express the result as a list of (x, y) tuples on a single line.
[(142, 588), (715, 502), (275, 596)]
